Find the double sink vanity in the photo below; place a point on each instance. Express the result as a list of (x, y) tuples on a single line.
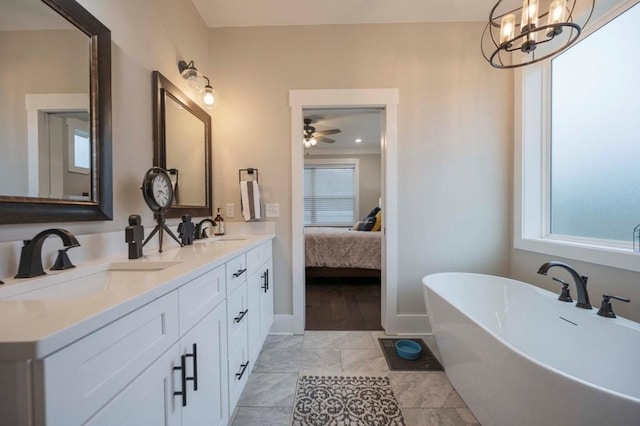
[(168, 339)]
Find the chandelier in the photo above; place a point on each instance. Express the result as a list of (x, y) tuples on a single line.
[(540, 34)]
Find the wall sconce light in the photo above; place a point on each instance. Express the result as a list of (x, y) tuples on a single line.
[(555, 29), (194, 78)]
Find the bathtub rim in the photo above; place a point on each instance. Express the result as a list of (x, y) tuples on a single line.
[(622, 323)]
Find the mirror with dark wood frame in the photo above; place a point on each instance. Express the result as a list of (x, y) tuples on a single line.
[(182, 146), (63, 93)]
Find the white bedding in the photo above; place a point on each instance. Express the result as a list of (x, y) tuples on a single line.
[(342, 248)]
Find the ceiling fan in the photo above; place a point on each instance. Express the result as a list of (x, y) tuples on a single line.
[(311, 137)]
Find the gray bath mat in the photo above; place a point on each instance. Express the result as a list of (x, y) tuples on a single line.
[(426, 362), (345, 400)]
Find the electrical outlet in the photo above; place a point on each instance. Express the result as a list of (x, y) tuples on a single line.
[(273, 210), (231, 210)]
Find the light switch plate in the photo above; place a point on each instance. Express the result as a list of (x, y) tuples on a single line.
[(231, 210), (273, 210)]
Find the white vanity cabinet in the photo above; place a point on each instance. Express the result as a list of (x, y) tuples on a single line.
[(186, 385), (181, 359)]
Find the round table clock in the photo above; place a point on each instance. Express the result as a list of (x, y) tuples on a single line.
[(157, 191)]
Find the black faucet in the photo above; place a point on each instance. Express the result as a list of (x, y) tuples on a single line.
[(31, 254), (202, 233), (580, 281)]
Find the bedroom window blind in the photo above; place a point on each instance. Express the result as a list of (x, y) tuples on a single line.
[(330, 194)]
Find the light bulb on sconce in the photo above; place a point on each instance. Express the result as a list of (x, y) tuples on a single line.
[(195, 80), (208, 95), (189, 72)]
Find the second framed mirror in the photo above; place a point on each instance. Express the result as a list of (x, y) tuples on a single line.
[(182, 146)]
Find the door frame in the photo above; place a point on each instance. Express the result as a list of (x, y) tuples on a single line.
[(386, 99)]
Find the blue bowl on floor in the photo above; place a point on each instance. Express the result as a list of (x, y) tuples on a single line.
[(408, 349)]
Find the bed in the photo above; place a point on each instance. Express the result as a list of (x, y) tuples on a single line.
[(342, 252)]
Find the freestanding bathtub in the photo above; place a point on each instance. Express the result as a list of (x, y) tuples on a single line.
[(518, 356)]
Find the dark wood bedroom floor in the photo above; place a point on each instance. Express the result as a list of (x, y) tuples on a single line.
[(343, 304)]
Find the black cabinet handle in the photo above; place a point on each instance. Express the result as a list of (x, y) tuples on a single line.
[(265, 281), (240, 272), (183, 368), (240, 316), (194, 355), (241, 373)]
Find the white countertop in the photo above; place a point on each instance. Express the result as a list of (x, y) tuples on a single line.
[(33, 329)]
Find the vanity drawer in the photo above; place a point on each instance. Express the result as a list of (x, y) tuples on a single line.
[(237, 316), (258, 255), (236, 273), (239, 370), (73, 383), (198, 297)]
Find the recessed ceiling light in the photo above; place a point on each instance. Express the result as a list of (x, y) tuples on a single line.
[(358, 140)]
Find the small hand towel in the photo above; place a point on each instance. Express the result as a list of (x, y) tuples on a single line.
[(250, 200)]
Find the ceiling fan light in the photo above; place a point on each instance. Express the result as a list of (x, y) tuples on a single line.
[(313, 141)]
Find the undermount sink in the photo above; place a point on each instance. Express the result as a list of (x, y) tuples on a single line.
[(220, 239), (81, 282), (231, 238)]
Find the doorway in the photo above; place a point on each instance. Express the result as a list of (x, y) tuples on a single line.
[(387, 101), (342, 218)]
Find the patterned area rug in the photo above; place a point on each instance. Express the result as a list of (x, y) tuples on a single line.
[(345, 401)]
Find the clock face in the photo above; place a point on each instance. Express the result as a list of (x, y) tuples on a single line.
[(157, 190), (160, 187)]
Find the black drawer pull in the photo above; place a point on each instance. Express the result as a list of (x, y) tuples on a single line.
[(240, 272), (240, 316), (265, 277), (194, 355), (241, 373), (183, 368)]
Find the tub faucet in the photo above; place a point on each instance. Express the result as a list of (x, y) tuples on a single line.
[(202, 233), (580, 281), (31, 254)]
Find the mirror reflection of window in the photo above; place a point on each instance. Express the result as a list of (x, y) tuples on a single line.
[(79, 147)]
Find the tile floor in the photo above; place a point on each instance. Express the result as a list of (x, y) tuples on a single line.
[(426, 398)]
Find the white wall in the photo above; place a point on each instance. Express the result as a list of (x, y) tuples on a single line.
[(146, 35), (455, 134)]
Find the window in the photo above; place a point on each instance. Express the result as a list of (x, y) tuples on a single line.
[(79, 144), (595, 176), (576, 184), (330, 192)]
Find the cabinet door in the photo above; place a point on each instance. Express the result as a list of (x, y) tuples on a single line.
[(266, 301), (77, 381), (206, 349), (149, 399), (254, 328)]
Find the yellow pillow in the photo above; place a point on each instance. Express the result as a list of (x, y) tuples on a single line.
[(378, 224)]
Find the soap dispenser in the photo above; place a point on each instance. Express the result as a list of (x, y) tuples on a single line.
[(219, 223)]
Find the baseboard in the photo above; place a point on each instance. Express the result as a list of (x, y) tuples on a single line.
[(282, 324), (409, 324)]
